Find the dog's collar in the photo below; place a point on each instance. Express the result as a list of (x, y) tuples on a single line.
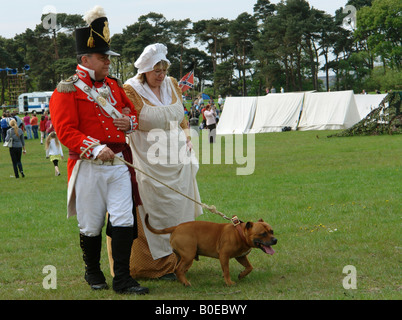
[(237, 224)]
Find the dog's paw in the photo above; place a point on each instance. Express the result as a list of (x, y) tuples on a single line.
[(243, 274), (230, 283)]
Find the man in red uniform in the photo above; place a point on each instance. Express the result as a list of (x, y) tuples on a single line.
[(97, 181)]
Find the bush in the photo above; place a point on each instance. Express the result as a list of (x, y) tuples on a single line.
[(390, 79)]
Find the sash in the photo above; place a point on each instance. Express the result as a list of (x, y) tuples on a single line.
[(101, 101)]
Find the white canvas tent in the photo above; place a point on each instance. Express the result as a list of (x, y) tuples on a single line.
[(310, 110), (329, 111), (237, 115), (367, 103), (276, 111)]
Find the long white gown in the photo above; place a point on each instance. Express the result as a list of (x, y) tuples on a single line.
[(159, 149)]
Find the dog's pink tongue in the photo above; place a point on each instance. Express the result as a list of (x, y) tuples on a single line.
[(268, 250)]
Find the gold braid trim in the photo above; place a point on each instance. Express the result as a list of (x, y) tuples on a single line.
[(104, 39)]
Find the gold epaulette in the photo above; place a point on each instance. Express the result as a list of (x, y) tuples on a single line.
[(67, 86), (119, 83)]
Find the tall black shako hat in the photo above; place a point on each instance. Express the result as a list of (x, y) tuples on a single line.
[(96, 37)]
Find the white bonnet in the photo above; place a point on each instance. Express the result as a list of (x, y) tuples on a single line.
[(151, 55)]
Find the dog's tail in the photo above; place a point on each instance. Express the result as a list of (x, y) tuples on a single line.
[(156, 231)]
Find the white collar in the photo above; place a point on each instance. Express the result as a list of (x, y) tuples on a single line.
[(145, 91), (90, 72)]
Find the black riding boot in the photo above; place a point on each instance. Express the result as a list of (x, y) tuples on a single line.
[(122, 240), (91, 248)]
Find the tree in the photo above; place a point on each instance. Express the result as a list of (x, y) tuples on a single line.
[(180, 33), (64, 23), (263, 9), (223, 79), (284, 35), (327, 35), (243, 33), (382, 24), (342, 48), (315, 38), (200, 62), (150, 28), (358, 4), (212, 33)]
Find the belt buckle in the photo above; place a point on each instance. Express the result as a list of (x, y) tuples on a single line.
[(108, 162), (103, 163)]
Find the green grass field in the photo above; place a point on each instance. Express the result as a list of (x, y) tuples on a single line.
[(332, 203)]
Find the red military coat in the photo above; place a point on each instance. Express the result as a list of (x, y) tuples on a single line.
[(80, 122)]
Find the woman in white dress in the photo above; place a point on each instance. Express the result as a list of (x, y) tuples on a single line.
[(162, 148)]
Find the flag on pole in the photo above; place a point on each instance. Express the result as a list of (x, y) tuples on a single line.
[(187, 82)]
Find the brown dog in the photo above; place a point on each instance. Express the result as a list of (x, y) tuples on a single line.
[(217, 240)]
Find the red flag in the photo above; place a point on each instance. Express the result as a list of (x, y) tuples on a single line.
[(187, 82)]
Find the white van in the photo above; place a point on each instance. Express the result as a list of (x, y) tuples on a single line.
[(29, 102)]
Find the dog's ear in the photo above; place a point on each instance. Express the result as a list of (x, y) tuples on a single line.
[(260, 220), (249, 225)]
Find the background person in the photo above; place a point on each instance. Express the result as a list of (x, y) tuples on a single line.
[(220, 101), (28, 126), (210, 116), (18, 147), (49, 126), (5, 124), (54, 151), (34, 123), (42, 128)]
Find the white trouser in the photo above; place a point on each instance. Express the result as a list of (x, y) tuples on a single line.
[(100, 189)]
